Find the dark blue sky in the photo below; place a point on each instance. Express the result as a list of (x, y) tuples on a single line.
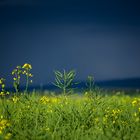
[(99, 37)]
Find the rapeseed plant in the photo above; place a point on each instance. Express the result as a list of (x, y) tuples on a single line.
[(64, 80), (135, 102), (3, 92), (26, 71), (3, 124), (44, 100), (90, 84), (21, 70), (8, 136), (67, 117), (17, 76)]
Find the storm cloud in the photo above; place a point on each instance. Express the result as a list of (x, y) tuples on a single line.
[(101, 38)]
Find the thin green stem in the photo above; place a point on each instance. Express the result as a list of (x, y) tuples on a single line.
[(27, 81)]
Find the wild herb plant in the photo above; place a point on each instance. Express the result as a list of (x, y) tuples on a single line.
[(2, 80), (90, 83), (21, 70), (26, 71), (64, 80), (17, 72), (72, 117), (3, 92)]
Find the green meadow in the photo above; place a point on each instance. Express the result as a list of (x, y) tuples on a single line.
[(67, 116)]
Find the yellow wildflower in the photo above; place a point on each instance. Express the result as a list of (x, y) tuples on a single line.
[(3, 124), (2, 80), (134, 103), (30, 75), (2, 93), (14, 79), (3, 86), (24, 72), (115, 112), (15, 99), (8, 136), (27, 66), (13, 72), (54, 100), (44, 100)]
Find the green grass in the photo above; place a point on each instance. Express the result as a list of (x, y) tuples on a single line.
[(73, 117)]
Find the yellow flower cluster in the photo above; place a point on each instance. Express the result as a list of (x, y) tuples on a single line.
[(16, 77), (17, 71), (8, 136), (15, 99), (27, 66), (2, 80), (3, 124), (26, 70), (44, 100), (27, 74), (111, 114), (115, 112), (136, 102), (4, 93), (21, 70), (55, 100), (2, 84)]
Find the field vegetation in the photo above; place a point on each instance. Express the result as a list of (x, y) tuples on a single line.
[(91, 115)]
